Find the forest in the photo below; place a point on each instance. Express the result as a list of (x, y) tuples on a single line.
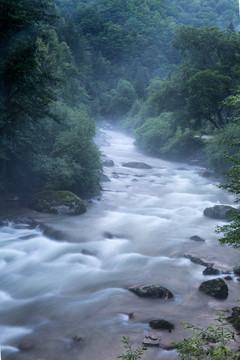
[(167, 71)]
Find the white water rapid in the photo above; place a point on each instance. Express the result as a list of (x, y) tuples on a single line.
[(66, 297)]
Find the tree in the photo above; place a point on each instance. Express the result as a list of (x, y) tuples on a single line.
[(208, 75), (231, 232)]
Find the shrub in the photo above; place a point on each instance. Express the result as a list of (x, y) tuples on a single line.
[(225, 142)]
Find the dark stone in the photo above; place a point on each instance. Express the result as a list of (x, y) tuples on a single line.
[(108, 163), (206, 173), (104, 178), (236, 269), (228, 278), (234, 319), (26, 346), (58, 202), (137, 165), (211, 271), (152, 291), (87, 252), (77, 339), (216, 288), (161, 324), (108, 235), (221, 212), (196, 238), (115, 175), (197, 260)]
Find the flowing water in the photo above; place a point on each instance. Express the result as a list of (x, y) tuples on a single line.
[(65, 297)]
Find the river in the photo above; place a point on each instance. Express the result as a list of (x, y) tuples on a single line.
[(65, 297)]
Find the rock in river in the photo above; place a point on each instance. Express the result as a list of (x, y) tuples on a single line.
[(216, 288), (152, 291), (58, 202), (221, 212), (161, 324), (137, 165)]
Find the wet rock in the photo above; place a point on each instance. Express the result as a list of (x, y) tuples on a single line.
[(154, 338), (216, 288), (77, 339), (137, 165), (196, 238), (236, 269), (28, 237), (87, 252), (206, 173), (228, 278), (115, 175), (197, 260), (151, 291), (234, 319), (104, 178), (161, 324), (221, 212), (58, 202), (26, 345), (108, 163), (210, 270), (108, 235)]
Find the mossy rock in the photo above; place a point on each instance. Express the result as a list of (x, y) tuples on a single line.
[(58, 202), (216, 288), (234, 319)]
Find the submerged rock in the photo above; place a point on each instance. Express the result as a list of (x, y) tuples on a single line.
[(152, 291), (197, 260), (196, 238), (221, 212), (210, 270), (104, 178), (58, 202), (216, 288), (137, 165), (161, 324), (108, 163)]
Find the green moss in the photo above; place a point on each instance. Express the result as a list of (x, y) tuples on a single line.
[(57, 202)]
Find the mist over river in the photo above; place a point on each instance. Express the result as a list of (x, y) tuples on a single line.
[(66, 298)]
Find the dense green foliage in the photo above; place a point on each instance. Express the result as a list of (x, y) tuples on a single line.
[(130, 353), (231, 231), (210, 343)]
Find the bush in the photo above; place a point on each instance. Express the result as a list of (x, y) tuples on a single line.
[(210, 343), (158, 136), (225, 142), (130, 353)]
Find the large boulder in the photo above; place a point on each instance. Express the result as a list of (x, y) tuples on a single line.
[(221, 212), (58, 202), (151, 291), (137, 165), (216, 288)]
